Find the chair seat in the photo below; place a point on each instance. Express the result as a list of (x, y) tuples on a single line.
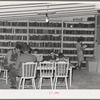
[(46, 75), (61, 76), (28, 77)]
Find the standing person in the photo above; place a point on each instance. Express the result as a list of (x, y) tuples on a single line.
[(80, 54), (11, 57), (17, 71)]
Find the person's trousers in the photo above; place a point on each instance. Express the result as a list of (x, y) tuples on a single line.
[(13, 73)]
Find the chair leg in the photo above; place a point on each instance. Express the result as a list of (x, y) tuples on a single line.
[(4, 74), (23, 83), (66, 82), (55, 82), (6, 77), (33, 83), (40, 84), (20, 83), (51, 83)]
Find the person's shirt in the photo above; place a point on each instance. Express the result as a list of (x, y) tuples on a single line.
[(11, 57), (78, 46), (53, 57), (39, 57), (49, 58), (23, 59), (61, 59)]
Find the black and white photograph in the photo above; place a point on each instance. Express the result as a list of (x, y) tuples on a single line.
[(49, 46)]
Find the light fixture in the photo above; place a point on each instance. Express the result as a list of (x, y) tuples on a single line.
[(47, 18), (46, 13)]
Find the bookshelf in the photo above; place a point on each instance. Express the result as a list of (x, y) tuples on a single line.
[(10, 33), (45, 36), (83, 26), (58, 35)]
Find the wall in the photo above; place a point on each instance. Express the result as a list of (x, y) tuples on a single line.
[(97, 57)]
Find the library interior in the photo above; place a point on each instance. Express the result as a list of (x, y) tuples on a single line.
[(52, 45)]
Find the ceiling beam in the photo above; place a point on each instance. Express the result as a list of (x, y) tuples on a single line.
[(45, 9), (35, 13), (57, 13), (50, 17)]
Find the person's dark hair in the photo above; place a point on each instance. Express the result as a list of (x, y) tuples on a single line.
[(36, 50), (60, 55), (30, 50), (80, 39), (25, 47), (18, 46)]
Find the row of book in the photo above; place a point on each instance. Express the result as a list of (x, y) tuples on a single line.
[(87, 52), (83, 32), (72, 58), (44, 24), (4, 50), (13, 37), (11, 30), (68, 38), (6, 30), (79, 25), (39, 24), (91, 19), (48, 51), (40, 31), (8, 23), (73, 45), (45, 44), (9, 44), (37, 31), (45, 31), (5, 44), (20, 30), (45, 37)]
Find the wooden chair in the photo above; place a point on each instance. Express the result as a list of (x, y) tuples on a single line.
[(28, 72), (46, 71), (2, 70), (61, 71)]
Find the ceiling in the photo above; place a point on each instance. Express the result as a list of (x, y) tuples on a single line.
[(37, 10)]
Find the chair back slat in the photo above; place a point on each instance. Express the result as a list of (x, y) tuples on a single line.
[(61, 68), (46, 68), (29, 69)]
